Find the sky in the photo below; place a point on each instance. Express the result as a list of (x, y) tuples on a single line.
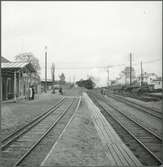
[(83, 36)]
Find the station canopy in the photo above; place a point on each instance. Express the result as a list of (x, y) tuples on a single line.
[(16, 66)]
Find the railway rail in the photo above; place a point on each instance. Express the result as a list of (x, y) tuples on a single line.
[(17, 146), (152, 111), (17, 133), (144, 97), (144, 144)]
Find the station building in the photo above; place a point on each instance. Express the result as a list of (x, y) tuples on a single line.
[(17, 77)]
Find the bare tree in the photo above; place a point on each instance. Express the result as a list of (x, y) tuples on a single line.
[(126, 73), (28, 57)]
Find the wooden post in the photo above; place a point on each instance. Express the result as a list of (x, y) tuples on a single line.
[(26, 87), (15, 86), (1, 82), (28, 82), (6, 89), (23, 84), (141, 74), (19, 83)]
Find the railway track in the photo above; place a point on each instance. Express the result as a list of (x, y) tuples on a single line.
[(144, 144), (7, 140), (154, 112), (17, 146), (145, 98)]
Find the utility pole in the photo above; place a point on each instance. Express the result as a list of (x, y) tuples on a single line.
[(108, 74), (53, 75), (52, 72), (141, 74), (130, 69), (45, 69), (1, 82)]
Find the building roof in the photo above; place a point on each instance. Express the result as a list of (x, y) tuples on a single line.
[(18, 65), (4, 60), (13, 65)]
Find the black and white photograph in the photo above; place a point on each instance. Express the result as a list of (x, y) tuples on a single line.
[(81, 83)]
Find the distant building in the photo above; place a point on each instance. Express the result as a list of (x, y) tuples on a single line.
[(157, 83), (49, 84), (16, 79), (151, 79), (147, 78)]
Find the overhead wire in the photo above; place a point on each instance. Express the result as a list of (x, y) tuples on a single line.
[(103, 67)]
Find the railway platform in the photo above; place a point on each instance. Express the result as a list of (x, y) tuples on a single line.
[(89, 140)]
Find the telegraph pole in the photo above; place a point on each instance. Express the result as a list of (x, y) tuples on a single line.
[(54, 73), (130, 69), (108, 74), (141, 73), (45, 69)]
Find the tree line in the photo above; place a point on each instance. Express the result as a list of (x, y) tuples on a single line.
[(88, 83)]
